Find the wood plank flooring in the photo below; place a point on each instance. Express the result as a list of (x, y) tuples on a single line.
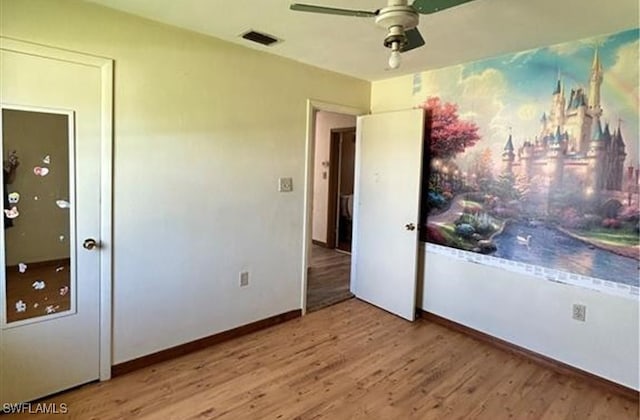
[(328, 279), (348, 361)]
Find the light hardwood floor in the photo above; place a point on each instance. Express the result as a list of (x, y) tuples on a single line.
[(328, 279), (348, 361)]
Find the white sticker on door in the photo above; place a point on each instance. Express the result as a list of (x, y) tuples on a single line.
[(21, 306), (40, 171)]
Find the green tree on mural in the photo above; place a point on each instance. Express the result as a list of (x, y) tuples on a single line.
[(505, 187), (482, 168), (449, 135)]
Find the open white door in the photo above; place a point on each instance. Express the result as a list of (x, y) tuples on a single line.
[(387, 205)]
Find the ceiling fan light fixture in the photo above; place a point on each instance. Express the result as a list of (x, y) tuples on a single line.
[(399, 18), (394, 58), (396, 18), (395, 40)]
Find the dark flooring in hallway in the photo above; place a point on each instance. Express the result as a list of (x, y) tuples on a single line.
[(328, 280)]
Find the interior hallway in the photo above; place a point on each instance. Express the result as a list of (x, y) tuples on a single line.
[(328, 278), (348, 361)]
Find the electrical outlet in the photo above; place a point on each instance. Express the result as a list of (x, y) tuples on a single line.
[(244, 278), (285, 184), (579, 312)]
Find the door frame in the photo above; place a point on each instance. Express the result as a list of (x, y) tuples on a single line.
[(313, 106), (105, 65)]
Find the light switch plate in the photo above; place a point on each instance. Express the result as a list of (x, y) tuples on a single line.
[(579, 312), (244, 278), (285, 184)]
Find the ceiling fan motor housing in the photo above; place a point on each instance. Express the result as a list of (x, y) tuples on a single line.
[(396, 19)]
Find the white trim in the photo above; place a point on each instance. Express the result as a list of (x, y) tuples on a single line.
[(106, 222), (312, 107), (106, 200), (39, 50), (355, 225)]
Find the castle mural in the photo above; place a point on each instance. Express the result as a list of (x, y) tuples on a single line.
[(572, 146), (533, 158)]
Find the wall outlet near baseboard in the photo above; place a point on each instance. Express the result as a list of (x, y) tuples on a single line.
[(244, 278), (579, 312)]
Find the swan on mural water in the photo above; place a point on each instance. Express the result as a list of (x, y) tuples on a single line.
[(524, 240)]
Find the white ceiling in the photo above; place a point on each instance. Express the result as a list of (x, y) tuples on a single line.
[(353, 46)]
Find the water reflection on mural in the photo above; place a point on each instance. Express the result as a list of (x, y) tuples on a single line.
[(533, 157)]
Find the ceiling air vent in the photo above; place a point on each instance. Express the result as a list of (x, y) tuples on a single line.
[(260, 38)]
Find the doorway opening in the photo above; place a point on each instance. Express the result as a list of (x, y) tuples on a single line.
[(331, 149), (342, 158)]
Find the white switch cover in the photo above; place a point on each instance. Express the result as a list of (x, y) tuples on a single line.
[(285, 184)]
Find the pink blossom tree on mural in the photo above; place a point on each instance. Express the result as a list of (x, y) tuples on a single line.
[(449, 134)]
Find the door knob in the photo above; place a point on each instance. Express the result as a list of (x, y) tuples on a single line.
[(410, 226), (90, 244)]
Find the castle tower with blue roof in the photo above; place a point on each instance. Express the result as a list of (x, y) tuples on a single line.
[(572, 148)]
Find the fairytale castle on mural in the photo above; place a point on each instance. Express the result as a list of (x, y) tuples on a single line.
[(572, 147)]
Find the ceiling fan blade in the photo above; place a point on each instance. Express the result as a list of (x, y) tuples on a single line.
[(331, 11), (414, 40), (426, 7)]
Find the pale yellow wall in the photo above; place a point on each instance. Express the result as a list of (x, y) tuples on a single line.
[(203, 130), (393, 94)]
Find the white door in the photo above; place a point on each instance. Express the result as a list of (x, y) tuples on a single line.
[(50, 284), (387, 199)]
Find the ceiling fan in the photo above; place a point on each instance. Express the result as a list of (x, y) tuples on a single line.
[(399, 19)]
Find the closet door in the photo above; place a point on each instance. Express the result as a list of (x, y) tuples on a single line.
[(386, 211), (50, 124)]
